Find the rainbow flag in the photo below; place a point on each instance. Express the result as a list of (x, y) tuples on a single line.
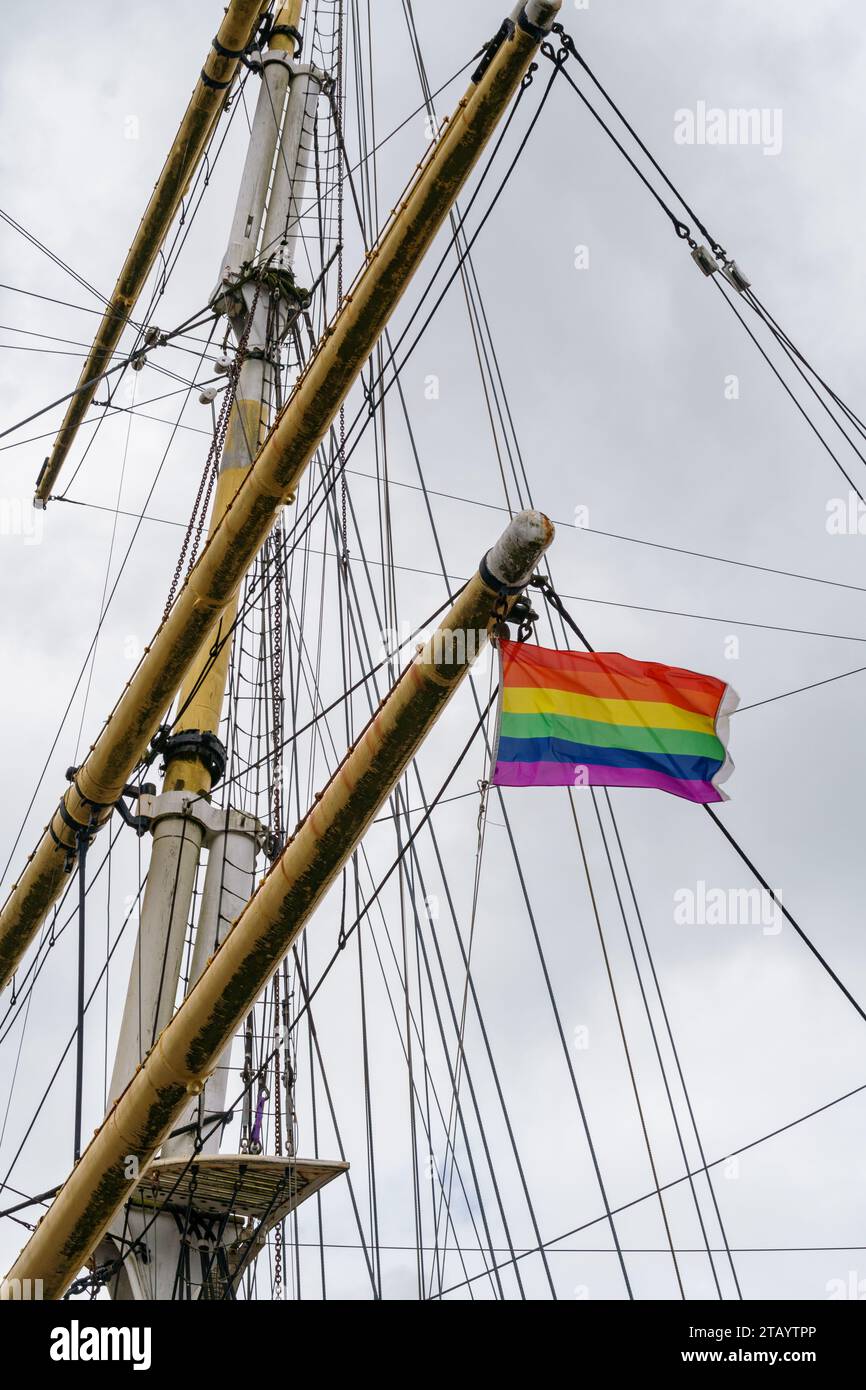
[(600, 719)]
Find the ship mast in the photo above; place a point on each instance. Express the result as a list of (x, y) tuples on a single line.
[(167, 1069), (182, 820)]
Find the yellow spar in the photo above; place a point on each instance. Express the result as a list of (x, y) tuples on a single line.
[(203, 692), (237, 29), (271, 482)]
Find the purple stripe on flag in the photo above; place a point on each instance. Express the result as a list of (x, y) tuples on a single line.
[(580, 775)]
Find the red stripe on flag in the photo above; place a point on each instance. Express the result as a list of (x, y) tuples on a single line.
[(610, 676)]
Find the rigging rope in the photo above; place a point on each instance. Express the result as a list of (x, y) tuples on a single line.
[(211, 466), (558, 59), (556, 603), (671, 1040)]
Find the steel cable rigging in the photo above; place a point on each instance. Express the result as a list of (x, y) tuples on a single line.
[(732, 273)]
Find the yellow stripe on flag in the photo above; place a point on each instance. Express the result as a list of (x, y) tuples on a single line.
[(649, 714)]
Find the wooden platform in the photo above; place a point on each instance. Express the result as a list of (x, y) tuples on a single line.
[(256, 1186)]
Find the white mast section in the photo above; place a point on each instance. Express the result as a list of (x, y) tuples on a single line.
[(264, 232)]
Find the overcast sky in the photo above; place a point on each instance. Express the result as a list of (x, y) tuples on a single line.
[(635, 395)]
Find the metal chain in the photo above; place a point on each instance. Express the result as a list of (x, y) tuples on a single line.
[(247, 1078), (545, 587), (209, 475), (277, 686), (277, 832), (338, 102), (275, 590), (288, 1066), (278, 1137)]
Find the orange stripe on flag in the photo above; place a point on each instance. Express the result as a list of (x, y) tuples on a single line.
[(609, 675)]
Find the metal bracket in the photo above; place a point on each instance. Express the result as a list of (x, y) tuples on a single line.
[(214, 820), (705, 260), (140, 824), (226, 52), (276, 56), (489, 578), (504, 33), (735, 277), (205, 748), (216, 86), (523, 615), (535, 31), (290, 32)]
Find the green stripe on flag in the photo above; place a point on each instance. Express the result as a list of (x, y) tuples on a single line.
[(635, 737)]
